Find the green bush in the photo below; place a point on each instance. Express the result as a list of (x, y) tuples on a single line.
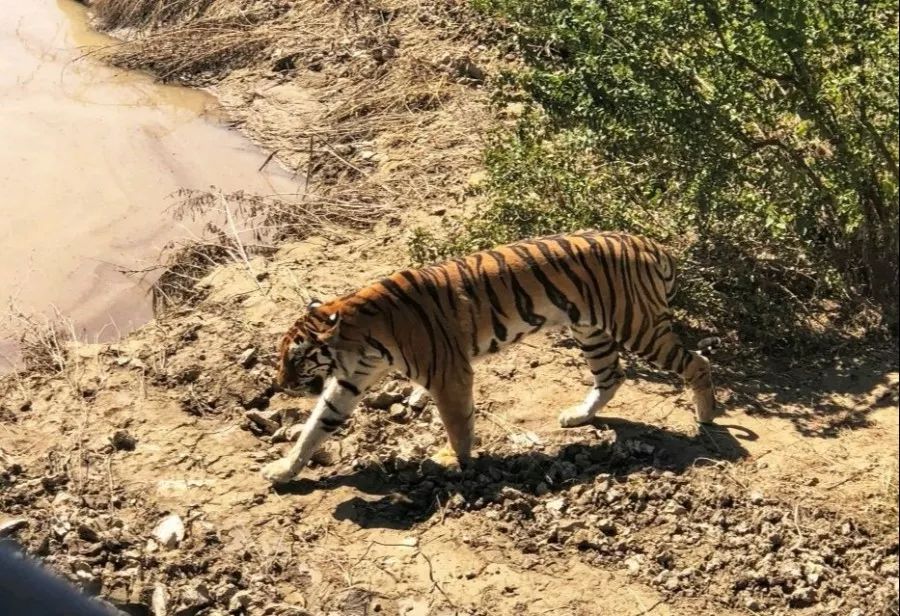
[(758, 138)]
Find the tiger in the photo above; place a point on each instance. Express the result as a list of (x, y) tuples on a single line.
[(611, 289)]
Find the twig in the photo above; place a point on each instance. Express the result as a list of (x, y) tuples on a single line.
[(268, 159), (434, 581)]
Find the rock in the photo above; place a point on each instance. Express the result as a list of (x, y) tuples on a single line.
[(466, 68), (324, 456), (9, 526), (752, 604), (418, 399), (239, 601), (86, 533), (265, 420), (397, 413), (757, 498), (802, 597), (159, 600), (607, 526), (633, 565), (674, 508), (384, 398), (672, 584), (526, 439), (247, 359), (194, 600), (170, 531), (121, 440), (556, 506)]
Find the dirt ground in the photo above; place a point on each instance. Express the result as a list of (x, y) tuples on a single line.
[(787, 506)]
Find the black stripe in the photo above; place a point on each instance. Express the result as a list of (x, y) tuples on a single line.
[(584, 289), (416, 307), (599, 252), (523, 301), (554, 294), (349, 386), (380, 348), (562, 265), (608, 382), (589, 348), (467, 276)]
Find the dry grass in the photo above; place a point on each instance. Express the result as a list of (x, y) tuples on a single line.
[(43, 341), (113, 14), (242, 226), (396, 105)]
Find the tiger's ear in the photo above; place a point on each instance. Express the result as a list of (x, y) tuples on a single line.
[(332, 328), (313, 304)]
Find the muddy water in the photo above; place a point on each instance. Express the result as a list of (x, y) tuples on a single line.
[(89, 156)]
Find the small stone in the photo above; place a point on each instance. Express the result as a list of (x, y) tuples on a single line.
[(525, 439), (194, 600), (86, 533), (170, 531), (556, 506), (384, 398), (11, 525), (159, 600), (418, 399), (397, 413), (121, 440), (410, 542), (752, 604), (633, 565), (757, 498), (264, 419), (675, 508), (239, 601), (612, 495), (324, 456), (802, 597), (247, 359), (606, 526), (569, 525)]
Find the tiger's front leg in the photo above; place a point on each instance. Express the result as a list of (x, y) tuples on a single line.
[(333, 409), (457, 411)]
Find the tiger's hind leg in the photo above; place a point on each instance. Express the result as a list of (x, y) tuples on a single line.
[(602, 356), (457, 411), (667, 351)]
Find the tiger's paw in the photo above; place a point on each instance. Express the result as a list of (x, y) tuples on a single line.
[(446, 459), (279, 471), (575, 416)]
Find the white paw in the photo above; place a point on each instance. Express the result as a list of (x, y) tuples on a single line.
[(278, 471), (574, 416)]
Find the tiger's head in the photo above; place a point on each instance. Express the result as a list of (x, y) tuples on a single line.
[(305, 359)]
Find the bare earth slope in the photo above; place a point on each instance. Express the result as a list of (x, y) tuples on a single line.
[(788, 506)]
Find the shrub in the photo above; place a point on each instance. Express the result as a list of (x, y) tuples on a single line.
[(759, 137)]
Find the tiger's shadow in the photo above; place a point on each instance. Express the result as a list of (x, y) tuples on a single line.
[(400, 494)]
